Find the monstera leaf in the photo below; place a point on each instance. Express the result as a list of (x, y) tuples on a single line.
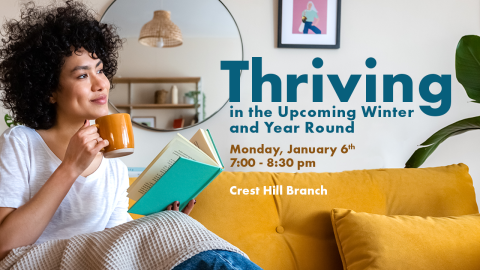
[(467, 68), (9, 121), (427, 148), (467, 65)]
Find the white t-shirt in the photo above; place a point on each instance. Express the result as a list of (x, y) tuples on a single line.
[(93, 203)]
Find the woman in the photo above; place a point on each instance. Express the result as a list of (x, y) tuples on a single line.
[(311, 14), (56, 68)]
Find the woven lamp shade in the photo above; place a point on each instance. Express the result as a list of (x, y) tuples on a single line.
[(160, 29)]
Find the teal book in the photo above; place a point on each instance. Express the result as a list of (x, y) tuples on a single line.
[(179, 173)]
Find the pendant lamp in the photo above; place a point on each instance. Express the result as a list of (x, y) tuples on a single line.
[(160, 31)]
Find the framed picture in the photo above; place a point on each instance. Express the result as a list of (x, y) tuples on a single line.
[(148, 121), (309, 24)]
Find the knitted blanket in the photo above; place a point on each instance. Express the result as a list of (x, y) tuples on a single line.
[(159, 241)]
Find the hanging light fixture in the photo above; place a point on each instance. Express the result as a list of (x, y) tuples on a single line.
[(161, 31)]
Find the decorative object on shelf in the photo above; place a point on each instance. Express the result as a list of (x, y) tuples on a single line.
[(467, 69), (161, 32), (309, 24), (191, 97), (174, 93), (161, 96), (188, 98), (148, 121), (178, 123)]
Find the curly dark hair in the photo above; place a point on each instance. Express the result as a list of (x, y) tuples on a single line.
[(34, 49)]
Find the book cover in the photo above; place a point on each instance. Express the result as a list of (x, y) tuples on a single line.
[(178, 123), (182, 182)]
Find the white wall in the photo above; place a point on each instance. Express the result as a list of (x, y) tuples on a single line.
[(412, 37)]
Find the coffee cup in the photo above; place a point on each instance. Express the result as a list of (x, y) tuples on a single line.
[(117, 129)]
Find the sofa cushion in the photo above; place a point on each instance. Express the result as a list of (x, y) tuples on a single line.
[(369, 241), (295, 231)]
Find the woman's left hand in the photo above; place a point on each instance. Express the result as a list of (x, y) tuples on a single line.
[(175, 205)]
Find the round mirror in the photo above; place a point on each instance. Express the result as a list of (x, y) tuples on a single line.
[(169, 74)]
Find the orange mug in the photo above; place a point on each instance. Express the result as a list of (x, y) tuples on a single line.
[(117, 129)]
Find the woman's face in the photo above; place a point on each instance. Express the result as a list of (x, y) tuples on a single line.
[(309, 6), (83, 88)]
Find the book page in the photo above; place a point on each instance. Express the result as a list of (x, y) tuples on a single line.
[(149, 166), (208, 135), (201, 141), (178, 147), (212, 147)]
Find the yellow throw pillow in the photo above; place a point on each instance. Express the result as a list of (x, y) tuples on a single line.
[(370, 241)]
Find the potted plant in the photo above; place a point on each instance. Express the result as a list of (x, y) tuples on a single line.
[(467, 69), (191, 97)]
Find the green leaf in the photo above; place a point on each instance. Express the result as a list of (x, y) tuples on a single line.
[(429, 146), (9, 121), (467, 65)]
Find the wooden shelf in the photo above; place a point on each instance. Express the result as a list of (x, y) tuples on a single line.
[(156, 80), (156, 106), (131, 81)]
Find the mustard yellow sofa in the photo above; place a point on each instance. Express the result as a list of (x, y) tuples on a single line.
[(284, 231)]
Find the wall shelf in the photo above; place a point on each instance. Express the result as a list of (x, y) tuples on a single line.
[(156, 80), (134, 80), (156, 106)]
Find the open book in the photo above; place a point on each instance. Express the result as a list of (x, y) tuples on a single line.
[(179, 173)]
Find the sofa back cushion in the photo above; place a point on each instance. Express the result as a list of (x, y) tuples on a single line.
[(295, 231)]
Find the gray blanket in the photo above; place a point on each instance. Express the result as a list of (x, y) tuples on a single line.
[(159, 241)]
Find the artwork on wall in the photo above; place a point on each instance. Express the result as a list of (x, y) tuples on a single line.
[(309, 24), (148, 121)]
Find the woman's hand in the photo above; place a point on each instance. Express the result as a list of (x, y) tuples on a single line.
[(175, 205), (83, 147)]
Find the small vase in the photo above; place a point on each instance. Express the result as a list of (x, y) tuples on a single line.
[(174, 92), (188, 100)]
